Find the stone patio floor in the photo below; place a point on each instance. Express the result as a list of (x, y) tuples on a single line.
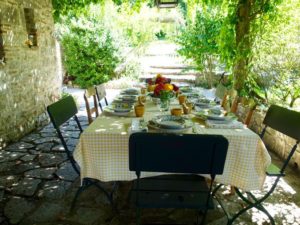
[(37, 185)]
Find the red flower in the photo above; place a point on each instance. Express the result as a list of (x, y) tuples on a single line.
[(149, 81), (159, 80), (175, 88), (158, 89)]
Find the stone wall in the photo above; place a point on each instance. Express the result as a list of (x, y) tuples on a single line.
[(275, 141), (29, 79)]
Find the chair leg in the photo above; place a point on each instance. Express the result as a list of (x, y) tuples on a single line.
[(87, 182), (84, 186), (216, 189), (108, 196), (138, 216), (114, 189), (73, 163), (256, 204)]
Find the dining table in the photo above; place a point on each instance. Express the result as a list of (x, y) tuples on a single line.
[(102, 151)]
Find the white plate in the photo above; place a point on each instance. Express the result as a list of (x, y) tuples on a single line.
[(170, 122), (112, 111), (168, 130), (128, 97), (130, 91), (214, 117), (120, 107)]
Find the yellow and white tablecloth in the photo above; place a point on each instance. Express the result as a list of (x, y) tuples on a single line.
[(102, 152)]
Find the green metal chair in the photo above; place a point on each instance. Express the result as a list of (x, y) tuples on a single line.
[(186, 155), (59, 113), (286, 122)]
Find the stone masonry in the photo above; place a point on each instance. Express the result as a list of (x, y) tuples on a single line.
[(29, 80)]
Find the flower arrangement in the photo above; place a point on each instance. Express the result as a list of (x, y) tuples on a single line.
[(158, 80), (162, 87)]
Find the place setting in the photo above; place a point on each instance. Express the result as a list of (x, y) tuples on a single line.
[(119, 109), (171, 120), (204, 103), (218, 118), (170, 123)]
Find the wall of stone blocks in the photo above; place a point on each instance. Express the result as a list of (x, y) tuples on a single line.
[(274, 141), (29, 79)]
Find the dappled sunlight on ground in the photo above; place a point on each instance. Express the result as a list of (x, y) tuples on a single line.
[(280, 204)]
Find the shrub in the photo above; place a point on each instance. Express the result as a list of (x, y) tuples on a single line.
[(90, 55), (160, 35), (198, 41)]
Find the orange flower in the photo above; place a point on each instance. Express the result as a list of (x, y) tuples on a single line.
[(151, 87), (168, 87)]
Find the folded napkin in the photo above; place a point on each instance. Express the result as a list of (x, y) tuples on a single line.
[(137, 125), (231, 125)]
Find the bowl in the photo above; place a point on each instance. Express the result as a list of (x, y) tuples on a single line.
[(176, 111)]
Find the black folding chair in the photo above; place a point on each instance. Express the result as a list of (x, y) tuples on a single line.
[(60, 112), (287, 122), (188, 154)]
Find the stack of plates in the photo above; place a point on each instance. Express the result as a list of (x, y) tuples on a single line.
[(130, 91), (216, 118), (204, 103), (126, 98), (118, 111)]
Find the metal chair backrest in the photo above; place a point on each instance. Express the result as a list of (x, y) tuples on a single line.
[(171, 153), (62, 110), (286, 122), (283, 120), (101, 94), (59, 113), (91, 93)]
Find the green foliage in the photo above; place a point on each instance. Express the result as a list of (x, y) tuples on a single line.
[(102, 35), (77, 7), (166, 95), (253, 90), (64, 7), (198, 42), (90, 55), (65, 94), (265, 57), (132, 70), (276, 59), (160, 35)]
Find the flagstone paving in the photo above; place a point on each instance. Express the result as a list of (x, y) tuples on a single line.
[(38, 184)]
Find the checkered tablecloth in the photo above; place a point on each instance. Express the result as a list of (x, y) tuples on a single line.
[(102, 152)]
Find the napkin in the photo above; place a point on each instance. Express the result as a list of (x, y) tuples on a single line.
[(231, 125), (137, 125)]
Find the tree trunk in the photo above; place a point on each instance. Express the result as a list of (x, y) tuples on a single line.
[(243, 43), (292, 102), (209, 71)]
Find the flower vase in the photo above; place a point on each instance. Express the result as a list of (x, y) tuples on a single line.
[(164, 104)]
